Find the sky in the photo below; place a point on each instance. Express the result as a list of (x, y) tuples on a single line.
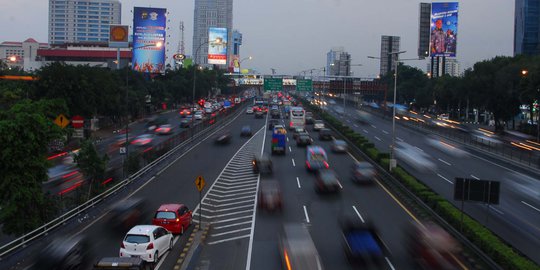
[(294, 35)]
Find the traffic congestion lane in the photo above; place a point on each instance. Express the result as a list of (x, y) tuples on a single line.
[(320, 213), (513, 214)]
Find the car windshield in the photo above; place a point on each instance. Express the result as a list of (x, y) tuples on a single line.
[(137, 238), (318, 122), (318, 157), (165, 215), (328, 177)]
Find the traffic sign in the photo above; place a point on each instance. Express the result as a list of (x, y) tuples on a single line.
[(78, 133), (273, 84), (122, 150), (199, 182), (304, 85), (77, 121), (61, 121)]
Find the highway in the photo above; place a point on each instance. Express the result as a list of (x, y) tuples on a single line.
[(517, 216)]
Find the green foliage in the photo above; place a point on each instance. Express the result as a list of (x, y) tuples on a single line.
[(25, 129), (91, 165)]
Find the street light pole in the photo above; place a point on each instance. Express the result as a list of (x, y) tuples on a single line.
[(393, 162), (194, 86)]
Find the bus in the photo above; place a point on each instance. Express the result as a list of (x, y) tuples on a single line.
[(297, 118), (258, 101)]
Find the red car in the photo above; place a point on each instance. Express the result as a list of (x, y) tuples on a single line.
[(176, 218), (185, 112)]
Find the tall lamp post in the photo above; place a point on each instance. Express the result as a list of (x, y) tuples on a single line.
[(157, 45)]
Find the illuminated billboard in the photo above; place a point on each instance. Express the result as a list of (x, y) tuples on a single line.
[(444, 23), (149, 39), (217, 46)]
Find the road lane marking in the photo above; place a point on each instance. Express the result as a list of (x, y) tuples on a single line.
[(229, 239), (358, 213), (378, 139), (227, 209), (294, 164), (226, 220), (445, 179), (231, 194), (339, 184), (365, 131), (445, 162), (305, 212), (287, 138), (400, 139), (355, 125), (298, 182), (231, 225), (233, 213), (530, 206), (496, 210), (389, 263), (229, 232), (385, 132), (475, 177), (228, 204), (419, 149), (290, 150), (373, 126)]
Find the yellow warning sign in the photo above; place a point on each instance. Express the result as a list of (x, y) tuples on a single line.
[(61, 121), (199, 182)]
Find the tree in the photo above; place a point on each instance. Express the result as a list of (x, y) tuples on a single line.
[(26, 129), (92, 166)]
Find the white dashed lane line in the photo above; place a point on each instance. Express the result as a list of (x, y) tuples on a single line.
[(305, 213), (358, 213), (417, 148), (445, 179), (399, 139), (294, 164), (290, 150), (365, 131), (373, 126), (355, 125), (530, 206), (298, 182), (385, 132), (445, 162), (378, 139), (477, 178)]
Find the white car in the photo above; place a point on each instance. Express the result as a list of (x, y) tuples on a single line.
[(318, 125), (249, 110), (198, 115), (147, 242)]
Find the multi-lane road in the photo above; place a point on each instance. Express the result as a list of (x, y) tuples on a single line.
[(516, 219)]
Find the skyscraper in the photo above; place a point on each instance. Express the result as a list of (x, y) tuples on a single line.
[(424, 29), (451, 67), (211, 13), (388, 62), (527, 27), (82, 20), (338, 62)]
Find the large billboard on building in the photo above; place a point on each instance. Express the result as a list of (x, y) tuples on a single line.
[(217, 46), (149, 33), (444, 24)]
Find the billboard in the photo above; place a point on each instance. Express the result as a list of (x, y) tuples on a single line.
[(217, 46), (118, 36), (149, 39), (235, 64), (444, 22)]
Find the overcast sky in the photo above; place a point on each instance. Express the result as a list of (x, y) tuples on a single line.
[(295, 35)]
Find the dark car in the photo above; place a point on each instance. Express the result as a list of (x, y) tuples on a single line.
[(126, 213), (309, 118), (270, 197), (155, 122), (64, 253), (185, 123), (363, 172), (262, 165), (325, 134), (298, 131), (223, 138), (246, 131), (275, 114), (259, 114), (326, 181), (339, 146), (126, 263), (272, 123), (303, 140)]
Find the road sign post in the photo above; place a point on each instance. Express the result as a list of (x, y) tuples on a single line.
[(273, 84), (304, 85), (199, 183)]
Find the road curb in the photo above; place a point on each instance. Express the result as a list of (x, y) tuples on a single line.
[(195, 239)]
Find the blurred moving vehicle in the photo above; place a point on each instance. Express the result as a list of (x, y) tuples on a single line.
[(279, 140), (259, 114), (176, 218), (297, 131), (326, 181), (185, 123), (270, 197), (325, 134), (155, 121), (185, 112), (115, 263), (316, 158), (446, 147), (362, 243), (199, 115), (148, 242), (127, 213), (223, 138), (303, 140), (246, 131), (339, 146), (363, 118), (318, 125), (485, 138), (297, 117), (64, 253), (363, 173), (297, 248), (432, 247), (415, 158), (523, 185), (309, 118), (272, 123), (143, 140), (262, 165), (249, 110), (275, 114), (164, 129)]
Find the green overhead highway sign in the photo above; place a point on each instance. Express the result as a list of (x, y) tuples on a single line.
[(304, 85), (273, 84)]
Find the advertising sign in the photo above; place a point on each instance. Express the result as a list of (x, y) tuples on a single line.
[(118, 36), (217, 46), (444, 23), (149, 39), (235, 64)]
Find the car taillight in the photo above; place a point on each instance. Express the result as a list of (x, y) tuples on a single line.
[(150, 246), (308, 165), (122, 245), (326, 164)]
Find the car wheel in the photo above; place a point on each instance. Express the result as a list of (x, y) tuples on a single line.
[(170, 244), (156, 258), (182, 230)]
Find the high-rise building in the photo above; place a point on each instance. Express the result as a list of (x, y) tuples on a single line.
[(72, 21), (236, 42), (451, 67), (424, 25), (527, 27), (338, 62), (211, 13), (388, 61)]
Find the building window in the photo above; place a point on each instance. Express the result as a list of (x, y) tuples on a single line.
[(81, 11), (93, 25), (81, 29), (81, 25), (82, 16), (105, 22), (59, 15), (93, 8)]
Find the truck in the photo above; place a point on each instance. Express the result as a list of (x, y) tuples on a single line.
[(362, 244), (279, 140)]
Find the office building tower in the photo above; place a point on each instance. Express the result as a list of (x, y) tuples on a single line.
[(72, 21), (451, 67), (527, 27), (424, 30), (211, 13), (388, 61), (338, 62), (236, 42)]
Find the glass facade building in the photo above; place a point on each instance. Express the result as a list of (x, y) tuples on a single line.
[(72, 21), (527, 27)]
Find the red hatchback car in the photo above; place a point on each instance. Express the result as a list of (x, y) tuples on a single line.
[(176, 218)]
